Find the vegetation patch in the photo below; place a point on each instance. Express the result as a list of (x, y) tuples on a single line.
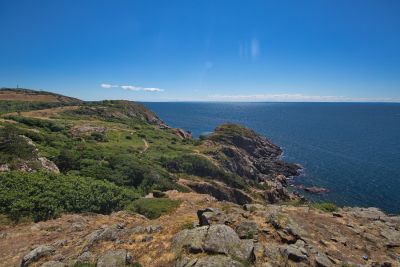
[(43, 196), (153, 208), (326, 206)]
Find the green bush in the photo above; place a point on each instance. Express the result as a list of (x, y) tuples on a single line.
[(43, 196), (159, 194), (13, 146), (326, 206), (153, 208), (34, 122), (100, 137)]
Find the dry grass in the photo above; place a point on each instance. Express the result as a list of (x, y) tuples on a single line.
[(32, 97)]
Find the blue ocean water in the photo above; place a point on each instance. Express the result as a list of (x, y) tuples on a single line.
[(352, 149)]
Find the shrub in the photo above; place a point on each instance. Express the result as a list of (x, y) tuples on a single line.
[(100, 137), (43, 196), (326, 206), (159, 194), (153, 208), (34, 122), (13, 146)]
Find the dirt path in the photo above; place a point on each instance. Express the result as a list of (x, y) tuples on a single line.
[(146, 145)]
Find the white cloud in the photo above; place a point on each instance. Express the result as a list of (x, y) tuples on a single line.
[(298, 98), (107, 86), (131, 87), (152, 89)]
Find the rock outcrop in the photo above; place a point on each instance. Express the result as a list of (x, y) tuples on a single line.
[(30, 163), (248, 154), (252, 157), (224, 234), (214, 239), (219, 191)]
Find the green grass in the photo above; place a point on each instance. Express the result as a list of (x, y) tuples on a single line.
[(326, 206), (153, 208)]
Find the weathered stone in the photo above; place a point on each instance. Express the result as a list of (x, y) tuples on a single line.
[(253, 207), (60, 243), (190, 239), (53, 264), (113, 258), (153, 228), (214, 239), (217, 261), (36, 254), (220, 239), (86, 256), (322, 260), (247, 229), (107, 234), (205, 216), (295, 254)]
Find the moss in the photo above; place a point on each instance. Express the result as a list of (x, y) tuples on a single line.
[(153, 208)]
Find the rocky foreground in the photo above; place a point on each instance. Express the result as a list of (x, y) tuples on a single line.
[(207, 232)]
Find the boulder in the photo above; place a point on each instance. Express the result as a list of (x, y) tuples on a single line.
[(295, 254), (247, 229), (86, 256), (217, 261), (107, 234), (221, 239), (214, 239), (37, 253), (206, 216), (113, 258), (53, 264), (191, 240), (321, 260)]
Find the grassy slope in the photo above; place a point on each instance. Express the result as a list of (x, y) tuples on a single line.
[(116, 141)]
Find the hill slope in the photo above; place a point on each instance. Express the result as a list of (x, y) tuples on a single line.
[(21, 94)]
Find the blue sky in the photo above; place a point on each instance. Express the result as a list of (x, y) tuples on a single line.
[(325, 50)]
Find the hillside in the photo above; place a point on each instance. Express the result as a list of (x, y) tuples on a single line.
[(109, 183), (21, 94)]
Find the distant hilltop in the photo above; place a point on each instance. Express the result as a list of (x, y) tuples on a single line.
[(22, 94)]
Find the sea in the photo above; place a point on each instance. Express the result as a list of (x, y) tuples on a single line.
[(352, 149)]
